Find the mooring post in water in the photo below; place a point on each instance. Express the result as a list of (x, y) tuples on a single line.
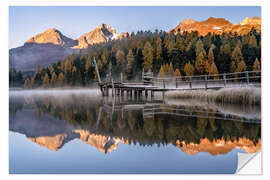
[(224, 80)]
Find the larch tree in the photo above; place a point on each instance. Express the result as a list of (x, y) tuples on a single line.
[(177, 74), (147, 56), (241, 66), (130, 60), (88, 64), (161, 72), (252, 41), (189, 69), (213, 70), (232, 67), (60, 79), (46, 81), (53, 79), (200, 63), (211, 58), (158, 49), (237, 55), (256, 65), (180, 43), (199, 48), (120, 57)]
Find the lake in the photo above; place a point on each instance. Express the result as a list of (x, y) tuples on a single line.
[(79, 132)]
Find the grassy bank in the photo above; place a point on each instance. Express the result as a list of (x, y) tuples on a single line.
[(244, 95)]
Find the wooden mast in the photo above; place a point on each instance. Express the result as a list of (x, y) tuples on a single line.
[(96, 67), (98, 76)]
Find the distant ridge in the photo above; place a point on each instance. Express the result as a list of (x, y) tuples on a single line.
[(218, 26)]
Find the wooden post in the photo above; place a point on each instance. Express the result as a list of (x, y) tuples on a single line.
[(224, 80), (121, 77), (142, 74), (205, 81), (102, 90), (163, 84), (247, 77), (176, 84), (163, 92), (112, 88), (152, 93), (146, 93), (190, 81)]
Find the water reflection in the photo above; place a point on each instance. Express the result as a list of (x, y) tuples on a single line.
[(54, 119)]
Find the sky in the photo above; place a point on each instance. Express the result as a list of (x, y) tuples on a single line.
[(74, 21)]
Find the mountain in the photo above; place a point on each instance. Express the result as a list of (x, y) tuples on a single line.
[(219, 146), (52, 36), (218, 26), (246, 25), (44, 49), (102, 33), (52, 46)]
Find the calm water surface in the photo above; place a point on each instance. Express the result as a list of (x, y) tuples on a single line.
[(79, 132)]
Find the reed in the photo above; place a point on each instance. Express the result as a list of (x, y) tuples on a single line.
[(243, 95)]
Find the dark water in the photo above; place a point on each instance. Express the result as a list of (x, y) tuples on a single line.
[(79, 132)]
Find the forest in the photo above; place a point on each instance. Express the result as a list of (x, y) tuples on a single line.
[(165, 54)]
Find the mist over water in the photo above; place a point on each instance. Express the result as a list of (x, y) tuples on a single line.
[(98, 134)]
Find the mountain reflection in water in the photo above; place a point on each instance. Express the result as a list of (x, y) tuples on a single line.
[(52, 120)]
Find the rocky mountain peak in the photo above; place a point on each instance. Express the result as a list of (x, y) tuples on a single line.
[(102, 33), (218, 26), (188, 21), (251, 21), (51, 36)]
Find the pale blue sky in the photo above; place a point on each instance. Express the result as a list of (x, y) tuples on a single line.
[(24, 22)]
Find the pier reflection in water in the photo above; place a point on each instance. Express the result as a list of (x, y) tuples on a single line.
[(163, 136)]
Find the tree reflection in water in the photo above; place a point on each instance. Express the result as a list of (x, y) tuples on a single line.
[(52, 121)]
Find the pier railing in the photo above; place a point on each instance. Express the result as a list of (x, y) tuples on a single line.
[(205, 81)]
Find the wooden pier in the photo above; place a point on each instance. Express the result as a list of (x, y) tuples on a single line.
[(157, 107), (150, 84)]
